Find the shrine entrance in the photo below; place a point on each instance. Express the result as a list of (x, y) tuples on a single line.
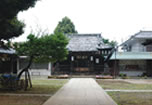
[(86, 55), (81, 65)]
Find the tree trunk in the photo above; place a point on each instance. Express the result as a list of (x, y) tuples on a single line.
[(26, 81), (27, 74), (29, 79), (26, 68)]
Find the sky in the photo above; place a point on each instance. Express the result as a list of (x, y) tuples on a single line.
[(114, 19)]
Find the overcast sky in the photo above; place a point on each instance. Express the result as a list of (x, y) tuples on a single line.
[(115, 19)]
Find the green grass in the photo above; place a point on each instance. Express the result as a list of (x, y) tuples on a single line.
[(41, 86), (117, 84), (125, 98), (128, 98)]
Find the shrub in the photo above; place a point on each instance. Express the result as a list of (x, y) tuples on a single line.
[(123, 76)]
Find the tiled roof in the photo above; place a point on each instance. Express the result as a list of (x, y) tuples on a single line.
[(85, 42), (144, 34), (139, 35), (7, 51)]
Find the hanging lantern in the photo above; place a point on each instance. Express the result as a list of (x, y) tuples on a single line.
[(72, 58), (97, 60), (91, 58)]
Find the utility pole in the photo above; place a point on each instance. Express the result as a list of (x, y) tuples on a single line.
[(115, 62)]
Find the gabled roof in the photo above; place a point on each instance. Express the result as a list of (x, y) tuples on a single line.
[(85, 42), (139, 35), (144, 35)]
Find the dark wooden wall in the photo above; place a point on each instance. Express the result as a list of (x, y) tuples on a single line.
[(81, 63)]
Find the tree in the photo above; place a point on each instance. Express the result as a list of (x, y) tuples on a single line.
[(65, 26), (112, 43), (42, 49), (10, 28), (9, 25)]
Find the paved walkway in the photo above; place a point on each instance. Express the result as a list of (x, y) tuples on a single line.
[(81, 91)]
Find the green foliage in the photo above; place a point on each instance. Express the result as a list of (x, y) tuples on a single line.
[(58, 47), (65, 26), (10, 8), (27, 48), (123, 76), (10, 26), (46, 48), (112, 43), (106, 41)]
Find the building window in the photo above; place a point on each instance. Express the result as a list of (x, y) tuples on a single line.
[(109, 52), (102, 52), (105, 51), (98, 52)]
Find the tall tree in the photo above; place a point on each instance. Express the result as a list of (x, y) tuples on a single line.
[(46, 48), (9, 25), (112, 43), (65, 26)]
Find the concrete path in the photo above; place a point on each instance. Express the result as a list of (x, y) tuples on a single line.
[(81, 91)]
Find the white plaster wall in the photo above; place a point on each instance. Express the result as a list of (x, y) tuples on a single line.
[(137, 47), (39, 72)]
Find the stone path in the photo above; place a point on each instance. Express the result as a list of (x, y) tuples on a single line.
[(81, 91)]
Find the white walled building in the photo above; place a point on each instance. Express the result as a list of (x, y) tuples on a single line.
[(136, 56), (36, 69)]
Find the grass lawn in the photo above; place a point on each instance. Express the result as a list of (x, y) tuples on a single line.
[(117, 84), (128, 98), (125, 98), (40, 86)]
